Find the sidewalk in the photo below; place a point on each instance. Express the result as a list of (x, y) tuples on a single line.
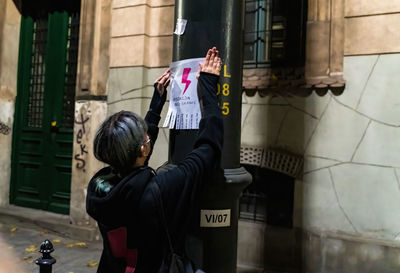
[(72, 256)]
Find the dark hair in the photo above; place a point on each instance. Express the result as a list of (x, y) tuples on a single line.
[(118, 141)]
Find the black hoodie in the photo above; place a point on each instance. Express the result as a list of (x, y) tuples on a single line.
[(128, 216)]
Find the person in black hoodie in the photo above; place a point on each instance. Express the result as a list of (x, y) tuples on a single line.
[(120, 197)]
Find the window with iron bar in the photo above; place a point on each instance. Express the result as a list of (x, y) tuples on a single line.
[(274, 33), (269, 198)]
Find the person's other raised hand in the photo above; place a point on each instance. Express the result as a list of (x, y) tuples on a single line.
[(163, 82), (212, 63)]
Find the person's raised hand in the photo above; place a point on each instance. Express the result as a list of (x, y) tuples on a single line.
[(212, 63), (163, 82)]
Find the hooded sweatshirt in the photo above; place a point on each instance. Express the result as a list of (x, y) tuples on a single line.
[(128, 216)]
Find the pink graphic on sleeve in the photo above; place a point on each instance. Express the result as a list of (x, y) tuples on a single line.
[(185, 75)]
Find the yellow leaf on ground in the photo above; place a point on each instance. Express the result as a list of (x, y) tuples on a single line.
[(80, 244), (31, 248), (56, 241), (28, 259), (13, 229), (92, 264), (70, 245)]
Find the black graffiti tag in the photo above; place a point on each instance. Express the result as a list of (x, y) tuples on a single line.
[(4, 129), (80, 165)]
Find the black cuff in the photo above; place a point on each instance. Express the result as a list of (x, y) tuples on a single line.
[(210, 78), (208, 88), (157, 102), (152, 118)]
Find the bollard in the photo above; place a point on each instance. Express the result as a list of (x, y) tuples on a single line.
[(46, 262)]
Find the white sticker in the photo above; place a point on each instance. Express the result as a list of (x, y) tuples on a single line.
[(180, 26), (215, 218)]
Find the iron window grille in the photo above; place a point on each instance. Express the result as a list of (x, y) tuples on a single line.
[(253, 206), (70, 70), (37, 74), (269, 198), (274, 33)]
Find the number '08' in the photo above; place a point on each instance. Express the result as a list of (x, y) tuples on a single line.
[(225, 89)]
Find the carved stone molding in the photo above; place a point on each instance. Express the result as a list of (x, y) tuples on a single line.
[(325, 46), (94, 44)]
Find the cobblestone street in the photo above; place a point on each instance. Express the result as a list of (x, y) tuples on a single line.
[(72, 256)]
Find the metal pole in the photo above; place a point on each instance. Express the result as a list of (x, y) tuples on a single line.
[(216, 23)]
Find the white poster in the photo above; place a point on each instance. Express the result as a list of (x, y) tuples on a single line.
[(184, 108)]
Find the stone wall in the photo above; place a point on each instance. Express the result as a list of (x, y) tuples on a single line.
[(9, 39), (354, 185), (141, 49), (371, 27), (88, 117), (350, 182)]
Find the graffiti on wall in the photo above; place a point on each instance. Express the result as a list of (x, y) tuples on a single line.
[(4, 129), (80, 156)]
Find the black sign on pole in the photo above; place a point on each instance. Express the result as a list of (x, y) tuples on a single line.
[(216, 23)]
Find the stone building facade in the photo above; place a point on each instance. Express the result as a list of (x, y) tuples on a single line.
[(335, 117), (346, 197)]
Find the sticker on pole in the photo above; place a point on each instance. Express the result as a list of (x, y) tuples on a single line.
[(180, 26), (215, 218), (184, 108)]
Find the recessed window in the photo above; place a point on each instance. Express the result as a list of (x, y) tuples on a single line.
[(269, 198), (274, 33)]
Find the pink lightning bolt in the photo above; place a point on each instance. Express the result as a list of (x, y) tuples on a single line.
[(185, 75)]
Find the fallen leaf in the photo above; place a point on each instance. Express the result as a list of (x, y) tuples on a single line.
[(31, 248), (70, 245), (92, 264), (28, 259), (13, 229), (80, 244), (56, 241)]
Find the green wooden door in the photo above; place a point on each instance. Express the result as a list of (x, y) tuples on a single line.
[(44, 114)]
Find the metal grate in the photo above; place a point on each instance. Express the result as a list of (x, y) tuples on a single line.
[(253, 206), (280, 161), (251, 155), (268, 198), (70, 71), (37, 74)]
